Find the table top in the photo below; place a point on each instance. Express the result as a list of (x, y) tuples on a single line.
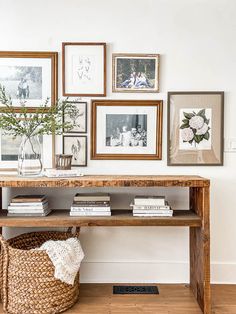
[(106, 181)]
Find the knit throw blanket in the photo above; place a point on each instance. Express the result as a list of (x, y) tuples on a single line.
[(66, 257)]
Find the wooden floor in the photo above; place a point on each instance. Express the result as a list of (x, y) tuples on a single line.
[(173, 299)]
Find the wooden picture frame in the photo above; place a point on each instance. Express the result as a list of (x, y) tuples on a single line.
[(83, 126), (138, 73), (30, 76), (137, 123), (83, 144), (199, 142), (90, 76)]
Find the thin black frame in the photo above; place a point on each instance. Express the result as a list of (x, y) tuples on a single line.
[(86, 117), (221, 93), (86, 148)]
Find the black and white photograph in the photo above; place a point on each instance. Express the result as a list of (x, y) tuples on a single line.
[(29, 78), (77, 147), (77, 117), (126, 130), (135, 73), (9, 150)]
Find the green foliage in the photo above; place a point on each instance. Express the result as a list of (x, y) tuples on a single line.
[(45, 120)]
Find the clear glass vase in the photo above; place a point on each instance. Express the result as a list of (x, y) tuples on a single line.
[(30, 157)]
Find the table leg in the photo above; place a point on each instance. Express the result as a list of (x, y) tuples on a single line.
[(200, 249)]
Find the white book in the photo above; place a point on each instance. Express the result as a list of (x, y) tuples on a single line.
[(92, 209), (35, 204), (45, 213), (149, 200), (26, 209), (156, 212), (151, 207), (90, 214), (152, 215)]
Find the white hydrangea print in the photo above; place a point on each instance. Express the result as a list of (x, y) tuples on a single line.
[(187, 134)]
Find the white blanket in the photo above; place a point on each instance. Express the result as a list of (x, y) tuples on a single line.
[(66, 257)]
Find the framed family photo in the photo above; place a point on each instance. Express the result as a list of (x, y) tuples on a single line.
[(135, 73), (29, 77), (84, 69), (195, 128), (76, 146), (126, 129), (9, 149), (77, 117)]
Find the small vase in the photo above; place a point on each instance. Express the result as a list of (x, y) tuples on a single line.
[(30, 157)]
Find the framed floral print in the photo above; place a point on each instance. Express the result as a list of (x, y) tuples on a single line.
[(29, 77), (77, 117), (76, 146), (195, 128), (126, 129), (135, 73), (84, 69)]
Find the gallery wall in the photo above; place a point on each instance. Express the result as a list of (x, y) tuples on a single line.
[(196, 41)]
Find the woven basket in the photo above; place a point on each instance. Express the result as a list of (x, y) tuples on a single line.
[(27, 277)]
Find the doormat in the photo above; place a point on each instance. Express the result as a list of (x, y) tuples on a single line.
[(135, 290)]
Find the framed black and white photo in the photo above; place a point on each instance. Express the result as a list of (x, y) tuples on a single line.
[(84, 69), (77, 117), (76, 146), (195, 128), (29, 77), (126, 129), (9, 149), (135, 73)]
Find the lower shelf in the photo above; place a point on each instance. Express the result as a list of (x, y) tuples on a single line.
[(61, 218)]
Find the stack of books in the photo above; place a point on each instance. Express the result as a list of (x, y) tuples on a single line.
[(154, 206), (28, 205), (91, 205)]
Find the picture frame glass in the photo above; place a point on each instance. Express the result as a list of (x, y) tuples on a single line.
[(27, 80), (77, 147), (77, 117), (195, 129), (135, 73), (84, 69)]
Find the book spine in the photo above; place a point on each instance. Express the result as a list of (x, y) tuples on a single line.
[(90, 214), (149, 202), (150, 207), (152, 215), (92, 204), (92, 209), (156, 212), (91, 199)]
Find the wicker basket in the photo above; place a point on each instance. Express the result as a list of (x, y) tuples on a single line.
[(27, 277)]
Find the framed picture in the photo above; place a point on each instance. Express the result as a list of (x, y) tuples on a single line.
[(134, 73), (77, 147), (195, 128), (9, 148), (78, 117), (29, 77), (126, 129), (84, 69)]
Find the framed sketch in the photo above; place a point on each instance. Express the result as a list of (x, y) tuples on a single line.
[(77, 147), (195, 128), (29, 77), (79, 117), (135, 73), (126, 129), (84, 69), (9, 148)]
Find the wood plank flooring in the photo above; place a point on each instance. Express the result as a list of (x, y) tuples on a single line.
[(173, 299)]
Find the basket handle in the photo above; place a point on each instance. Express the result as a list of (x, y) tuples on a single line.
[(4, 265), (76, 233)]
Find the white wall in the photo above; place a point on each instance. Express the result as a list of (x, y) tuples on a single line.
[(196, 40)]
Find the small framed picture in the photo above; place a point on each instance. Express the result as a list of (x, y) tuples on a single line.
[(29, 77), (134, 73), (77, 147), (9, 150), (126, 129), (79, 117), (84, 69), (195, 128)]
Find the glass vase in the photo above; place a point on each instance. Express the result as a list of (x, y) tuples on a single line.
[(30, 157)]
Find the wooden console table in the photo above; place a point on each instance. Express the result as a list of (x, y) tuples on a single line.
[(196, 218)]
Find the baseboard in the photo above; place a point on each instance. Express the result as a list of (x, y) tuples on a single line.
[(149, 272)]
